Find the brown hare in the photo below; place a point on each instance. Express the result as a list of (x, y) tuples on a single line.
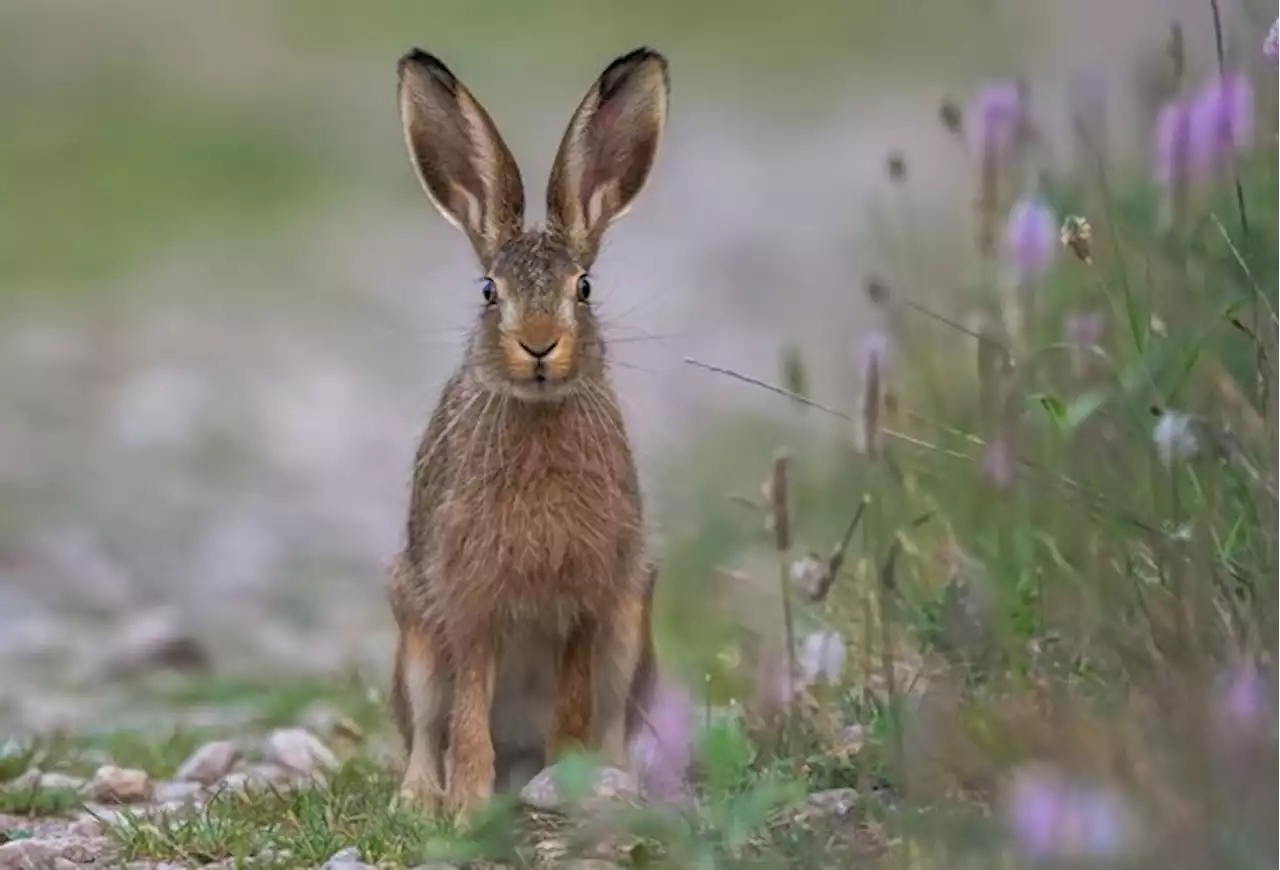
[(522, 596)]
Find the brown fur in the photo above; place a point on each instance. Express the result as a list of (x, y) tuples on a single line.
[(522, 596)]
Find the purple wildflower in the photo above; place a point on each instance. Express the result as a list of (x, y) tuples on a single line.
[(1221, 122), (1270, 46), (1031, 239), (997, 463), (1051, 818), (1173, 143), (998, 113), (663, 749), (1243, 694), (1082, 331)]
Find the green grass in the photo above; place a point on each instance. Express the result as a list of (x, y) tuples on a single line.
[(133, 172), (38, 801), (303, 827)]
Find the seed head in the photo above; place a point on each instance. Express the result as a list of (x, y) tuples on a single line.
[(877, 290), (1077, 237), (951, 117), (896, 166)]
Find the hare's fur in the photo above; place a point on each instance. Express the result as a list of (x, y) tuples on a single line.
[(522, 596)]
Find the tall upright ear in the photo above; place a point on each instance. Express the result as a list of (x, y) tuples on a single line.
[(463, 164), (608, 150)]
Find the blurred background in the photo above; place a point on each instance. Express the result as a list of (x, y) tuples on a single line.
[(226, 307)]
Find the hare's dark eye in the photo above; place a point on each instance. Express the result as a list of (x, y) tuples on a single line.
[(489, 290), (584, 288)]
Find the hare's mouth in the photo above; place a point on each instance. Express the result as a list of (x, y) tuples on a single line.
[(539, 389)]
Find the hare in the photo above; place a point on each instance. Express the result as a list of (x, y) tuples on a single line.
[(522, 595)]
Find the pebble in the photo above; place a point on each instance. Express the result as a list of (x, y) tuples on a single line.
[(834, 802), (177, 792), (52, 852), (257, 777), (611, 785), (118, 785), (301, 751), (209, 763), (347, 859), (37, 779)]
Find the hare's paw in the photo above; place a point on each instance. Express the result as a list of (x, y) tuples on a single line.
[(467, 797), (419, 793)]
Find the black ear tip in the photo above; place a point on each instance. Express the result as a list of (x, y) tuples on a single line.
[(643, 54), (628, 64), (426, 63)]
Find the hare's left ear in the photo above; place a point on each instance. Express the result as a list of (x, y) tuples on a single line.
[(608, 150)]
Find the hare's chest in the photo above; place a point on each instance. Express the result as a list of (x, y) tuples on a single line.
[(542, 526)]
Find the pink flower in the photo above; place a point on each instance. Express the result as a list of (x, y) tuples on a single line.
[(662, 750), (1031, 239), (1051, 818), (1270, 48), (1173, 143), (1243, 698), (997, 463), (1221, 122), (998, 113), (1083, 329)]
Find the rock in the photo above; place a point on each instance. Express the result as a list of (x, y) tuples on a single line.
[(850, 740), (834, 803), (346, 859), (611, 785), (257, 777), (35, 779), (209, 763), (176, 792), (85, 827), (29, 781), (61, 782), (156, 641), (300, 751), (52, 853), (118, 785)]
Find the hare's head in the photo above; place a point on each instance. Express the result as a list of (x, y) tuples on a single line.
[(537, 336)]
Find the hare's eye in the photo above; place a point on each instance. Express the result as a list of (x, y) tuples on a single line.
[(490, 291), (584, 288)]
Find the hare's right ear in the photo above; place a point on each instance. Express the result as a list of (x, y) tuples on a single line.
[(608, 150), (463, 164)]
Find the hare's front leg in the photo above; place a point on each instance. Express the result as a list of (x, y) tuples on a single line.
[(470, 753), (619, 644), (571, 727), (421, 700)]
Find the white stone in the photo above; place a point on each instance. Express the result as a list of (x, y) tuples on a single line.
[(301, 751), (209, 763)]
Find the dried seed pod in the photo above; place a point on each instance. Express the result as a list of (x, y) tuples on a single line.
[(1077, 237), (896, 166)]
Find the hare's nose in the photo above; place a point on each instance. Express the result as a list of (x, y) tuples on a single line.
[(542, 350)]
